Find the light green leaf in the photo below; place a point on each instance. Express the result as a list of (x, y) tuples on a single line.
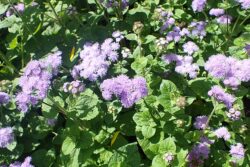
[(68, 145)]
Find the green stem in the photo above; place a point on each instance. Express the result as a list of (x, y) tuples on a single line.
[(210, 116), (238, 18), (205, 16), (139, 41), (99, 5), (7, 62), (62, 110), (245, 20), (56, 15)]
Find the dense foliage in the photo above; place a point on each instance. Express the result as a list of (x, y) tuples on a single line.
[(124, 83)]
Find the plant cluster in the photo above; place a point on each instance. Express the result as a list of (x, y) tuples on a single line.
[(124, 83)]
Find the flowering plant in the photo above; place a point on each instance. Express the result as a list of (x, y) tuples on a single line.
[(124, 83)]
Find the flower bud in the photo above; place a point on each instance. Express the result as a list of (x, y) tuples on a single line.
[(181, 102), (168, 157), (111, 109), (180, 123), (243, 129), (137, 27)]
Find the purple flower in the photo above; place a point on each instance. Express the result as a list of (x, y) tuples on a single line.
[(197, 155), (242, 70), (169, 58), (109, 49), (26, 163), (6, 137), (190, 47), (36, 80), (216, 12), (198, 29), (74, 87), (217, 66), (129, 91), (237, 151), (245, 4), (222, 132), (186, 67), (231, 70), (168, 157), (233, 114), (204, 139), (4, 98), (118, 36), (247, 48), (224, 19), (221, 96), (19, 7), (95, 60), (174, 35), (125, 52), (169, 22), (53, 62), (51, 122), (200, 122), (198, 5), (184, 32), (114, 3), (184, 64)]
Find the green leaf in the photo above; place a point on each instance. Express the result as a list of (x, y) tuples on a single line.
[(148, 131), (3, 8), (131, 37), (139, 64), (68, 145), (9, 21), (126, 156), (87, 139), (158, 161), (43, 158), (148, 39), (13, 44), (143, 119), (169, 92), (167, 145), (201, 86), (84, 106)]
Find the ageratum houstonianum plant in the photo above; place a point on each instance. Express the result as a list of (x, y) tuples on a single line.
[(125, 83)]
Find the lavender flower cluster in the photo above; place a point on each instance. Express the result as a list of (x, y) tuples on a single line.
[(74, 87), (198, 154), (233, 114), (184, 64), (221, 17), (200, 122), (18, 7), (229, 69), (114, 3), (96, 58), (4, 98), (36, 80), (237, 151), (198, 5), (221, 96), (245, 4), (222, 132), (195, 29), (166, 18), (25, 163), (6, 137), (129, 91)]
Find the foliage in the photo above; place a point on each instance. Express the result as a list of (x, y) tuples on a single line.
[(86, 129)]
